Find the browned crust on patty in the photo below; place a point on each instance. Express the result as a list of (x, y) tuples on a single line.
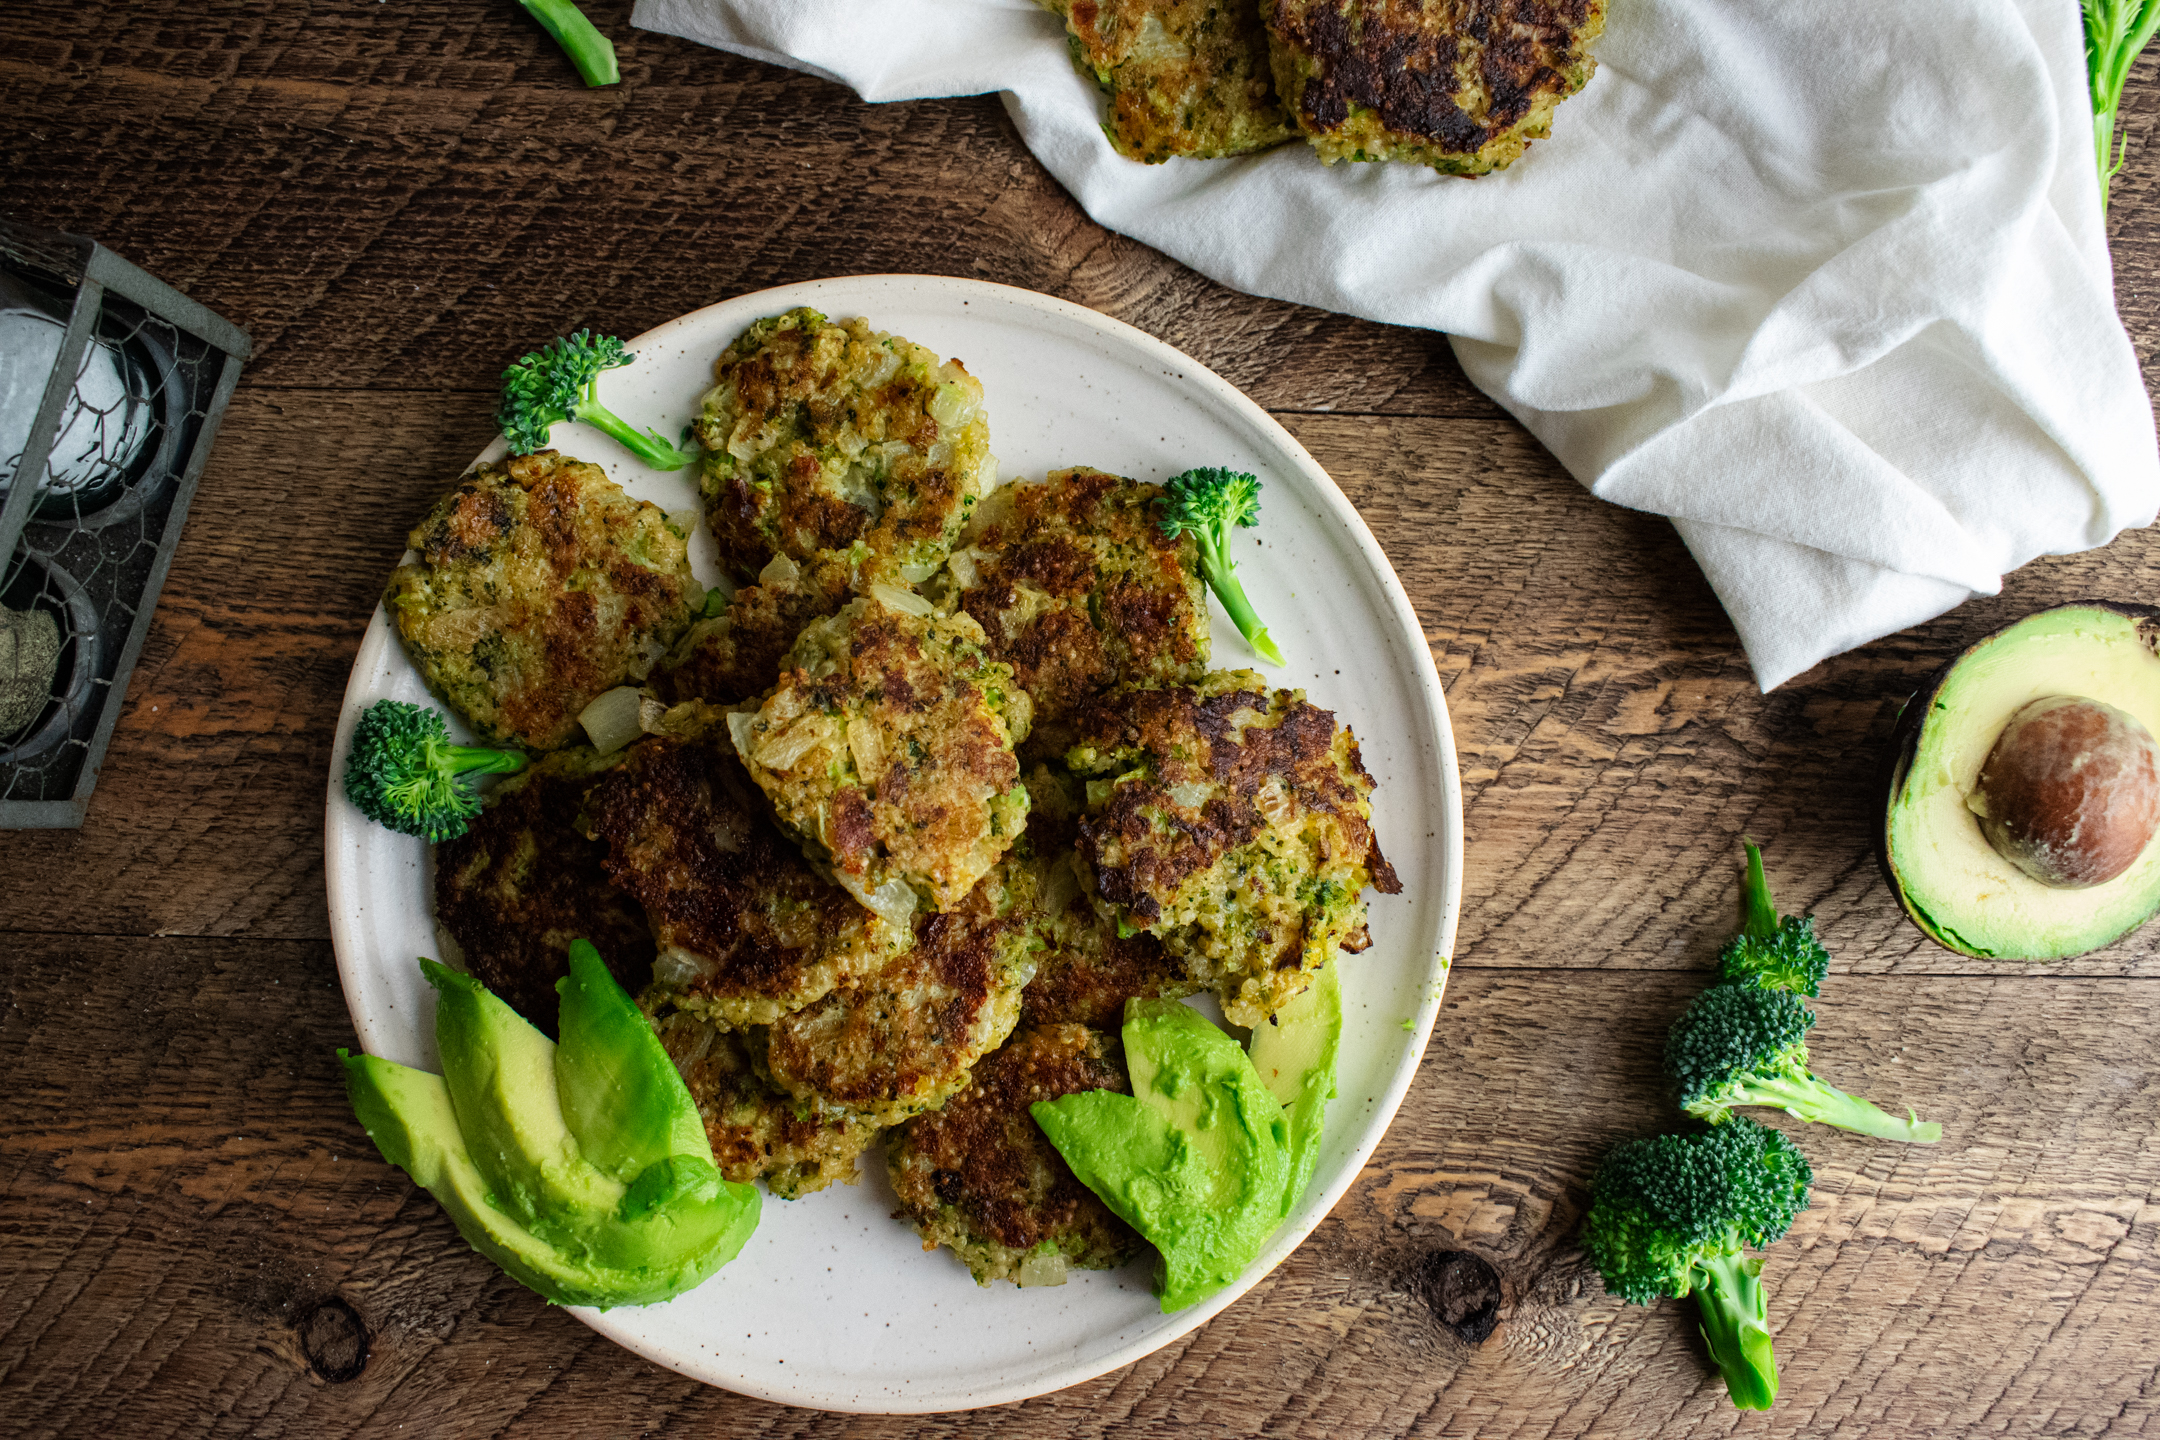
[(1078, 589), (889, 1045), (521, 883), (980, 1175), (737, 654), (757, 1131), (689, 836)]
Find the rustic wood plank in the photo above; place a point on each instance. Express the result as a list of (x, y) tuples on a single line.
[(409, 196), (190, 1217)]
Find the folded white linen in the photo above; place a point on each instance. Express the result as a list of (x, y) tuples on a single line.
[(1824, 281)]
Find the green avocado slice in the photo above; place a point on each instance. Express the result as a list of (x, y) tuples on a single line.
[(1295, 1052), (621, 1096), (501, 1076), (1196, 1159), (409, 1115)]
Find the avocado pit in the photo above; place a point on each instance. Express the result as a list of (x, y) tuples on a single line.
[(2070, 793)]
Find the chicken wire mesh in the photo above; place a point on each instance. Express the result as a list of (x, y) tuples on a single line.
[(111, 387)]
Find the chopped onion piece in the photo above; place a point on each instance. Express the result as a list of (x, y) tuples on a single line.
[(679, 969), (684, 521), (1042, 1268), (651, 715), (869, 749), (1060, 886), (614, 718), (741, 728), (907, 602), (781, 751), (893, 902), (918, 571), (1191, 796), (952, 406), (780, 573), (963, 568)]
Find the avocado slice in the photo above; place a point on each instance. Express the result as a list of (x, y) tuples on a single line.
[(493, 1140), (1294, 1052), (621, 1096), (1196, 1159), (1931, 844)]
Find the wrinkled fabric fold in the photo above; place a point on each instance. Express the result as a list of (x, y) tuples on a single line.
[(1825, 282)]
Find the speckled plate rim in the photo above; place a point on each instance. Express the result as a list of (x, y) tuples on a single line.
[(1439, 802)]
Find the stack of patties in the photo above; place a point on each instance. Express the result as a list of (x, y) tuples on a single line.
[(894, 858), (1460, 85)]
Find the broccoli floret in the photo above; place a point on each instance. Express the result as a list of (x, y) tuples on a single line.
[(589, 50), (405, 773), (1671, 1215), (1775, 954), (561, 381), (1741, 1045), (1207, 503)]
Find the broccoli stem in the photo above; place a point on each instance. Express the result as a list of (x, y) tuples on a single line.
[(1810, 1098), (648, 445), (1760, 913), (1221, 572), (1736, 1327), (588, 49)]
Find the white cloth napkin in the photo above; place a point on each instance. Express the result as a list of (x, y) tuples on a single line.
[(1825, 281)]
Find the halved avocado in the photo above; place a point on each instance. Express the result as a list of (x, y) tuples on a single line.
[(1950, 879)]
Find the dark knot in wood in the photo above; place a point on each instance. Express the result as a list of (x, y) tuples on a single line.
[(335, 1341), (1462, 1291)]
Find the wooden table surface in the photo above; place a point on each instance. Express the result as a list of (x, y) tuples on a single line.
[(397, 198)]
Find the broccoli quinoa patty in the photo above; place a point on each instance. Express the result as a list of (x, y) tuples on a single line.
[(895, 1043), (830, 436), (1183, 77), (540, 584), (757, 1131), (736, 655), (980, 1177), (1463, 86), (521, 883), (746, 930), (887, 749), (1085, 970), (1234, 823), (1077, 588)]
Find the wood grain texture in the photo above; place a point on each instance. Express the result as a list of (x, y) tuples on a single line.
[(396, 199), (196, 1224)]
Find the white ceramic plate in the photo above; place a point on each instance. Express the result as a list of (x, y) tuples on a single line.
[(833, 1304)]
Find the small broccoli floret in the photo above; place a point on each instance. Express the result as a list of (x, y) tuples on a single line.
[(1775, 954), (561, 381), (589, 50), (1740, 1045), (1207, 503), (405, 773), (1671, 1215)]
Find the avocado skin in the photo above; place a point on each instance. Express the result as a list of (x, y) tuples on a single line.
[(529, 1198), (1197, 1159), (1895, 769)]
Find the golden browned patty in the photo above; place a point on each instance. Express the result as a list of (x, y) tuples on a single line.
[(1184, 77), (746, 930), (1461, 85), (540, 584), (758, 1132), (893, 1044), (1084, 970), (887, 750), (824, 436), (1078, 589), (736, 655), (980, 1177), (521, 883), (1234, 823)]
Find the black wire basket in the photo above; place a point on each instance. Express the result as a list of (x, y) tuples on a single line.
[(112, 384)]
